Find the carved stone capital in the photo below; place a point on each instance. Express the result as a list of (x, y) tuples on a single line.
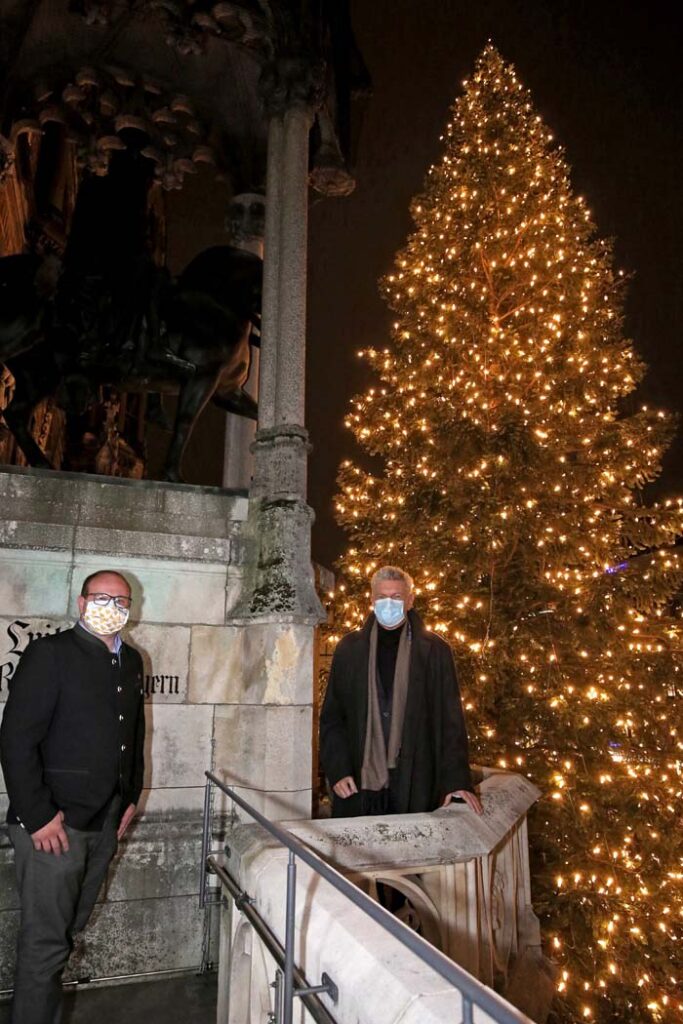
[(292, 82)]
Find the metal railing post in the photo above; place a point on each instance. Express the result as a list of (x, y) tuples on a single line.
[(205, 843), (290, 911)]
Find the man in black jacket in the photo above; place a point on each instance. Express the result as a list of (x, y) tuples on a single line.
[(392, 731), (72, 754)]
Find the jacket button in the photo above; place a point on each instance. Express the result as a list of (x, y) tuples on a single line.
[(118, 689), (123, 746), (120, 718), (114, 661)]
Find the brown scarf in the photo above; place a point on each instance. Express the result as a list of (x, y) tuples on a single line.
[(377, 760)]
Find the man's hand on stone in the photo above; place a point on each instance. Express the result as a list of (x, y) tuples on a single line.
[(345, 787), (128, 816), (52, 838), (470, 799)]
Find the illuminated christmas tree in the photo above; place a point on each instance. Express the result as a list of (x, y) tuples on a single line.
[(512, 467)]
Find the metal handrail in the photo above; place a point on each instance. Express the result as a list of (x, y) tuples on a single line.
[(319, 1012), (472, 991)]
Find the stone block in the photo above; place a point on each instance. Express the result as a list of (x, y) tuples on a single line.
[(165, 652), (155, 860), (126, 937), (9, 926), (178, 745), (142, 506), (264, 748), (172, 803), (259, 664), (216, 664), (46, 536), (9, 895), (130, 936), (164, 591), (283, 806), (106, 541), (34, 582)]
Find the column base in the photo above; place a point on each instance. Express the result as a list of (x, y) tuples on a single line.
[(280, 585)]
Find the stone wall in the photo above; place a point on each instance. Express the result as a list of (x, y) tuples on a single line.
[(221, 693)]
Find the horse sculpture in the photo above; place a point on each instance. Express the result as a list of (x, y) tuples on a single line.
[(204, 320)]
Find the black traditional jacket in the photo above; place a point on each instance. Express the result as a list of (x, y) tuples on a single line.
[(73, 731), (433, 759)]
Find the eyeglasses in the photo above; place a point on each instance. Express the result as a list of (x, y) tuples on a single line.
[(102, 600)]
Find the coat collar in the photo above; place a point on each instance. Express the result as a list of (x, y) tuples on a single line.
[(82, 635)]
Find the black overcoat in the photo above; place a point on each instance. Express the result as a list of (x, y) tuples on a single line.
[(73, 731), (433, 759)]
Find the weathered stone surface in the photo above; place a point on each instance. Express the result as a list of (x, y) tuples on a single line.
[(44, 536), (165, 591), (156, 859), (177, 546), (172, 803), (257, 664), (165, 652), (132, 505), (9, 923), (178, 745), (9, 897), (266, 748), (453, 834), (282, 806), (167, 931), (216, 664), (34, 583)]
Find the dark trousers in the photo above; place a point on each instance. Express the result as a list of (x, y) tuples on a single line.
[(57, 895)]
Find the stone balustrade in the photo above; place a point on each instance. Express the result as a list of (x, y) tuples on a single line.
[(466, 884)]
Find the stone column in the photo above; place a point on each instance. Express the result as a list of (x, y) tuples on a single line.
[(282, 583), (244, 226), (271, 274)]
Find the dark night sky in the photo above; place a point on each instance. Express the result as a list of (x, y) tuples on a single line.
[(606, 77)]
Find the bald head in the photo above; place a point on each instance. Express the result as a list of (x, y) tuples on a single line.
[(101, 581)]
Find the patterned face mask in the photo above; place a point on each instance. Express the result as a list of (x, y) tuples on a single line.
[(105, 620)]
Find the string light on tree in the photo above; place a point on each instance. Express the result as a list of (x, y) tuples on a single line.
[(512, 490)]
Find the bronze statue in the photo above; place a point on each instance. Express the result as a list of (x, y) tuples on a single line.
[(205, 322)]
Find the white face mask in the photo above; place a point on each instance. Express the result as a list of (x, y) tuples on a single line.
[(105, 619)]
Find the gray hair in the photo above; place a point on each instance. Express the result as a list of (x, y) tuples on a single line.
[(391, 572)]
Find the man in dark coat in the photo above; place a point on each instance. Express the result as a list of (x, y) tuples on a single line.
[(392, 731), (71, 745)]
